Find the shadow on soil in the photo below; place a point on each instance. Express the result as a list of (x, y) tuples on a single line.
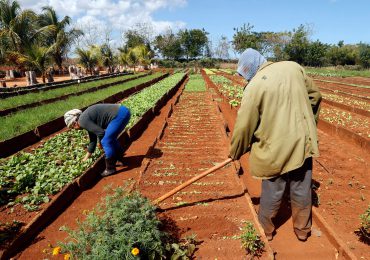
[(202, 202), (8, 231), (132, 162)]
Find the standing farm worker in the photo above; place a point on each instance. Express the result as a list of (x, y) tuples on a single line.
[(276, 122), (104, 122)]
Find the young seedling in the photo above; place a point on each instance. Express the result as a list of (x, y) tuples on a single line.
[(251, 241), (365, 225)]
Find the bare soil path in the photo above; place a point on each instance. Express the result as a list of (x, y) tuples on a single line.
[(213, 208), (285, 244)]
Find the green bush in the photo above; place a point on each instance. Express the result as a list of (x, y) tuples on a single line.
[(125, 226), (365, 224), (251, 241)]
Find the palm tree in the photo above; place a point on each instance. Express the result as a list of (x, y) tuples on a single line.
[(143, 54), (107, 57), (35, 57), (16, 26), (135, 56), (87, 58), (60, 39)]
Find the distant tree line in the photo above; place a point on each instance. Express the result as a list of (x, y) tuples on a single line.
[(297, 46), (38, 41)]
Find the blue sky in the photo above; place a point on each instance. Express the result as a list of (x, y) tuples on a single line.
[(331, 20)]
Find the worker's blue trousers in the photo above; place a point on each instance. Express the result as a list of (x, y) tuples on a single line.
[(111, 145)]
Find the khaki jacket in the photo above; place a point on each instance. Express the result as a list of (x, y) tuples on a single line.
[(276, 120)]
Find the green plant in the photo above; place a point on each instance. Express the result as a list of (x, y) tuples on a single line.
[(196, 83), (22, 121), (51, 166), (251, 241), (124, 226), (365, 224)]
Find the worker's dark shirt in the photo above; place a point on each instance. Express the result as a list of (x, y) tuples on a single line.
[(95, 120)]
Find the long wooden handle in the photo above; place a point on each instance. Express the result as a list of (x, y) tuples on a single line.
[(194, 179)]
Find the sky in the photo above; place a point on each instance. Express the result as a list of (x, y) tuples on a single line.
[(330, 20)]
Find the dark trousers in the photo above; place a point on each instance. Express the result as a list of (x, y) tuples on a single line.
[(299, 182), (110, 144)]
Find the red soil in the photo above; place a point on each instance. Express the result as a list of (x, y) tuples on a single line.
[(213, 208), (341, 175)]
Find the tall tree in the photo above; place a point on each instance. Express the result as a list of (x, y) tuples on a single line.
[(87, 58), (315, 54), (60, 38), (193, 42), (344, 55), (16, 26), (297, 48), (168, 45), (222, 49), (364, 55), (244, 38), (107, 57), (35, 58)]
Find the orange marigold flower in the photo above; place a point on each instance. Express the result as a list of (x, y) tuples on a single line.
[(67, 256), (56, 250), (135, 251)]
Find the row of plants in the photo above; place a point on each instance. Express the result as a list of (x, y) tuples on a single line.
[(195, 83), (358, 103), (346, 84), (209, 72), (341, 91), (47, 169), (345, 119), (28, 119), (228, 71), (229, 89), (53, 93), (147, 98), (333, 72)]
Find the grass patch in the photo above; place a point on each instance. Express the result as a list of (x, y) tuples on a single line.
[(196, 83), (28, 119), (20, 100), (336, 72)]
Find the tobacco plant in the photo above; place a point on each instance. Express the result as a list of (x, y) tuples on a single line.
[(365, 225), (251, 241)]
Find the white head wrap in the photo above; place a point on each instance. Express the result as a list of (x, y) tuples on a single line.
[(249, 62), (71, 116)]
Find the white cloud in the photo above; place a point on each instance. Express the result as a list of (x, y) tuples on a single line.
[(118, 15)]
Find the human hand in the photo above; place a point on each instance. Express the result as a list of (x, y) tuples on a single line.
[(87, 156)]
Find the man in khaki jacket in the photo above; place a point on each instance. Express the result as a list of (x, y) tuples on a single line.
[(276, 122)]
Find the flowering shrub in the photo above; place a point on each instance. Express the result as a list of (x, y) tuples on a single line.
[(125, 226)]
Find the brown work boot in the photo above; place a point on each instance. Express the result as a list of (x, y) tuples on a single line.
[(120, 161), (302, 237), (110, 167), (269, 236)]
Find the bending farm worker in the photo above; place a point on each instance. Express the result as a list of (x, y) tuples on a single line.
[(276, 123), (104, 122)]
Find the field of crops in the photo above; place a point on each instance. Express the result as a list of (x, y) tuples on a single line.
[(180, 127)]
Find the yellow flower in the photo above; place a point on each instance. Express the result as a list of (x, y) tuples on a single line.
[(67, 256), (56, 250), (135, 251)]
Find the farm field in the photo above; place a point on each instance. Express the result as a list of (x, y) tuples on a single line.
[(188, 134), (344, 162)]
